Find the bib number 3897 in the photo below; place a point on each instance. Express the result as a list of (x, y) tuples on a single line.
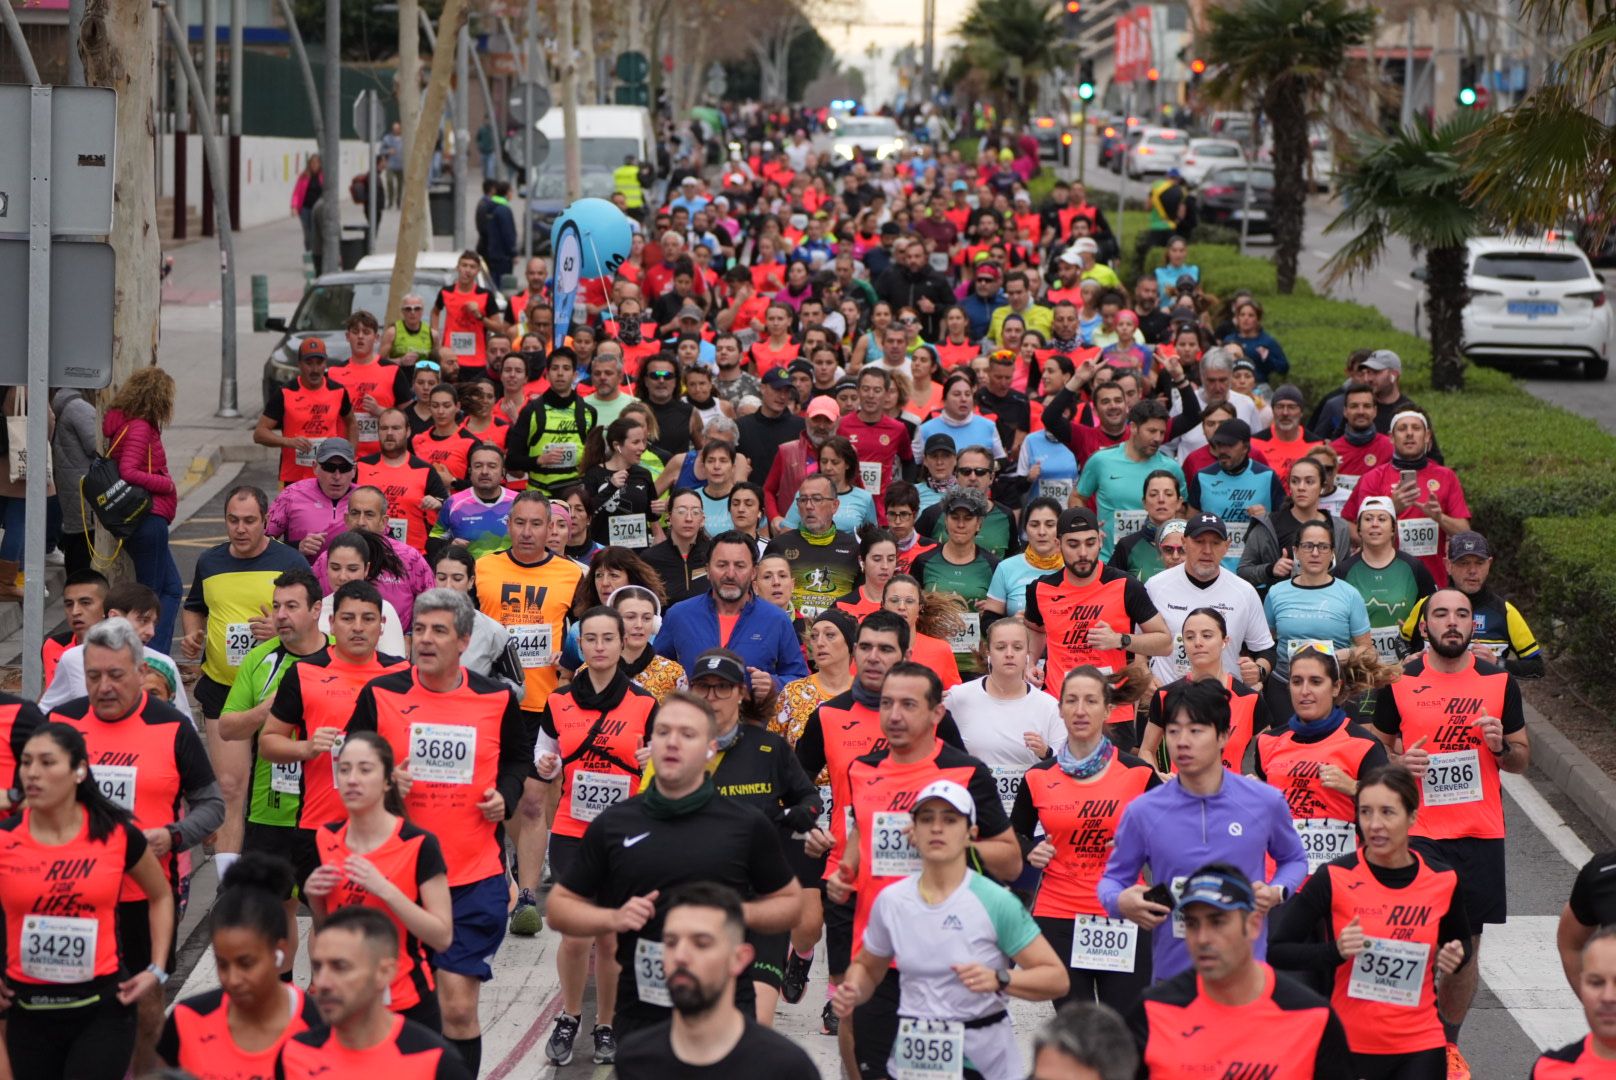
[(929, 1049)]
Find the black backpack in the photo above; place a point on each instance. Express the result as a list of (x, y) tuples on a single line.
[(117, 504)]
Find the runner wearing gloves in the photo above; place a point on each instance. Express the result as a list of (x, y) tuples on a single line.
[(1204, 814)]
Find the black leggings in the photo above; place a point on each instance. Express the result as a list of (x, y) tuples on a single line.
[(1425, 1065), (1118, 989), (90, 1042)]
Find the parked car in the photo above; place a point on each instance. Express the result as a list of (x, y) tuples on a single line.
[(326, 304), (1536, 298), (1047, 130), (1156, 152), (1222, 199), (1201, 156), (879, 137)]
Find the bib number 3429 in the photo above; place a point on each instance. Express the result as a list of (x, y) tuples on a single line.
[(929, 1049)]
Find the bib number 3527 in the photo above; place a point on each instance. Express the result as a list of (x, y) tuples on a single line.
[(929, 1049), (1391, 972)]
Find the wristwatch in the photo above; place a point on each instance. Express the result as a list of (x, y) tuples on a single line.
[(1003, 975), (1127, 640), (173, 837), (14, 797), (158, 973)]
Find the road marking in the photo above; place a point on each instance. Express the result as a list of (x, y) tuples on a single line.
[(1547, 819), (1405, 286), (1317, 254), (530, 1039), (1522, 967)]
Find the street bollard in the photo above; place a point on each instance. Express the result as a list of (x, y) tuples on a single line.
[(308, 268), (260, 301)]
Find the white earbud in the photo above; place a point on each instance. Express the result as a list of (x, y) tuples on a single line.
[(81, 775), (710, 755), (280, 957)]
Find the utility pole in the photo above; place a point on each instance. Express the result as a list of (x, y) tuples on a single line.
[(567, 55), (409, 69), (75, 62), (529, 73), (210, 60), (316, 110), (462, 121), (238, 19), (331, 250)]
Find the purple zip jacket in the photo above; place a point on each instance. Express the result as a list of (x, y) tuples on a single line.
[(1175, 833)]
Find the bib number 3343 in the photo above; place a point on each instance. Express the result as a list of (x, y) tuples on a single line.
[(929, 1049)]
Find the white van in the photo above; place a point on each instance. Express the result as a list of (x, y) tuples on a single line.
[(607, 136)]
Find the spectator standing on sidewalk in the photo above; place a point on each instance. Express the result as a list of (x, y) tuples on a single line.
[(392, 150), (133, 429), (305, 193), (73, 447), (502, 241)]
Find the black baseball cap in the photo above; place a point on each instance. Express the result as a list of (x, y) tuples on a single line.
[(1231, 432), (1469, 543), (778, 379), (718, 666), (1206, 523), (1076, 519), (938, 443)]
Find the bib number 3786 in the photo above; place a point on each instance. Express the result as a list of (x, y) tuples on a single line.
[(929, 1049)]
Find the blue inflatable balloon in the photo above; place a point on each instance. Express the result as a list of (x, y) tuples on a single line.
[(604, 236)]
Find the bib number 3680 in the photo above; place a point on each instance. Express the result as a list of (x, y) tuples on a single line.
[(929, 1049), (446, 753)]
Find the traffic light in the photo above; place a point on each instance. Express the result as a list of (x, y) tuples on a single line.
[(1085, 80), (1469, 96), (1072, 18), (1152, 74), (1198, 66)]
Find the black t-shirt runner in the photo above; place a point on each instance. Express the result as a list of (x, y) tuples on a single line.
[(1593, 895), (648, 1055), (626, 852)]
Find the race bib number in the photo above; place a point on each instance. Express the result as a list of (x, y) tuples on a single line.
[(56, 949), (1007, 781), (1124, 523), (891, 853), (1324, 839), (928, 1049), (445, 753), (463, 342), (398, 529), (825, 803), (238, 642), (969, 635), (569, 455), (650, 981), (117, 782), (1419, 536), (1454, 777), (627, 530), (1181, 655), (286, 779), (533, 645), (367, 427), (1059, 490), (1391, 972), (812, 609), (1237, 538), (1102, 944), (1177, 888), (870, 475), (304, 457), (593, 793), (336, 752), (1388, 642), (1346, 482)]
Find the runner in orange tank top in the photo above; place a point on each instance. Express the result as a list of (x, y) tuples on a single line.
[(1205, 635)]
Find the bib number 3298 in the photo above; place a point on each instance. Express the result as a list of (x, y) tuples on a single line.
[(929, 1049)]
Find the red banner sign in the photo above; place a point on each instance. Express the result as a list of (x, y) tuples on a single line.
[(1133, 55)]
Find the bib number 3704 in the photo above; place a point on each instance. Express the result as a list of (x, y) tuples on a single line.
[(929, 1049)]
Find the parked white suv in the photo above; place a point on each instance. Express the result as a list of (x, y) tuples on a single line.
[(1156, 152), (1203, 155), (1536, 299)]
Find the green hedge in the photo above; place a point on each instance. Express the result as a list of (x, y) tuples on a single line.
[(1533, 473)]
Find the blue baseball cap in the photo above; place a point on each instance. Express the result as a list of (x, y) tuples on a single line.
[(959, 185), (1216, 888)]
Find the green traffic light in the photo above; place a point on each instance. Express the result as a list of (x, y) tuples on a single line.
[(1085, 91), (1467, 96)]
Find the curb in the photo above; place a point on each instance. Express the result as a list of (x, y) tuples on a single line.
[(1572, 772), (202, 467)]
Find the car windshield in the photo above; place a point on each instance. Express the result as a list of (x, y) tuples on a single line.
[(551, 182), (862, 126), (1261, 179), (326, 307), (1217, 150), (1163, 140), (1530, 266)]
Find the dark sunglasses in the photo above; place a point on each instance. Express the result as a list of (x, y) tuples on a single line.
[(412, 307), (659, 375), (966, 470), (336, 465)]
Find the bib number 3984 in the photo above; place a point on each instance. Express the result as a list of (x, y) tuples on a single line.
[(57, 949), (929, 1049), (1392, 972), (445, 753), (650, 981)]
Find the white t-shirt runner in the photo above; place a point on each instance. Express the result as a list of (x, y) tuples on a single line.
[(993, 730), (1175, 596)]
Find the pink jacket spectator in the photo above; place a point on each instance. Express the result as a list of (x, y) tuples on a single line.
[(302, 509), (141, 459)]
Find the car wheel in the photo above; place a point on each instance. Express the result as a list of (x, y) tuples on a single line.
[(1595, 370)]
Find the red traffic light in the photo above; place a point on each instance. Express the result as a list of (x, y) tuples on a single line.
[(1066, 138), (1198, 66), (1152, 74), (1073, 6)]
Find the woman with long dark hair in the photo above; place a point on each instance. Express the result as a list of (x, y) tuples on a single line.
[(71, 1000), (357, 555), (620, 489)]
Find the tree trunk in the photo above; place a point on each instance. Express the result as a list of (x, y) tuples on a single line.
[(409, 72), (588, 92), (1287, 114), (419, 161), (1445, 296), (118, 46)]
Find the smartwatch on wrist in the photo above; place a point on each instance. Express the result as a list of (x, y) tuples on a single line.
[(1003, 975), (158, 973), (1127, 640)]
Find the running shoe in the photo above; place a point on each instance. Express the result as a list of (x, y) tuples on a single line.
[(795, 982), (605, 1044), (526, 920), (829, 1022), (559, 1048), (1458, 1067)]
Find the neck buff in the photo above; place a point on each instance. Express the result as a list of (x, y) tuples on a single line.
[(662, 808), (1317, 729), (1089, 767), (1361, 438), (1052, 561)]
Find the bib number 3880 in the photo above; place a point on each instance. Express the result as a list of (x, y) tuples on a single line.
[(929, 1049)]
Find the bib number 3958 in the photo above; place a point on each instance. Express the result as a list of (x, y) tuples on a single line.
[(929, 1049)]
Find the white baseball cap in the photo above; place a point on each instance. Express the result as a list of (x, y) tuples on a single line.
[(951, 793)]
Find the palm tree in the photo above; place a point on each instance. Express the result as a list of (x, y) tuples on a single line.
[(1413, 185), (1002, 35), (1552, 153), (1289, 57)]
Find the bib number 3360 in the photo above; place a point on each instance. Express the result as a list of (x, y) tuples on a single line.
[(929, 1049)]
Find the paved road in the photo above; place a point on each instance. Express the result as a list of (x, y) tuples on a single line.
[(1394, 293)]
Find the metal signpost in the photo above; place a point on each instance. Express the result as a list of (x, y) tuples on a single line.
[(369, 121), (62, 189)]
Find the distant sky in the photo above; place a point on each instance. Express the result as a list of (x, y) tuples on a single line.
[(879, 75)]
